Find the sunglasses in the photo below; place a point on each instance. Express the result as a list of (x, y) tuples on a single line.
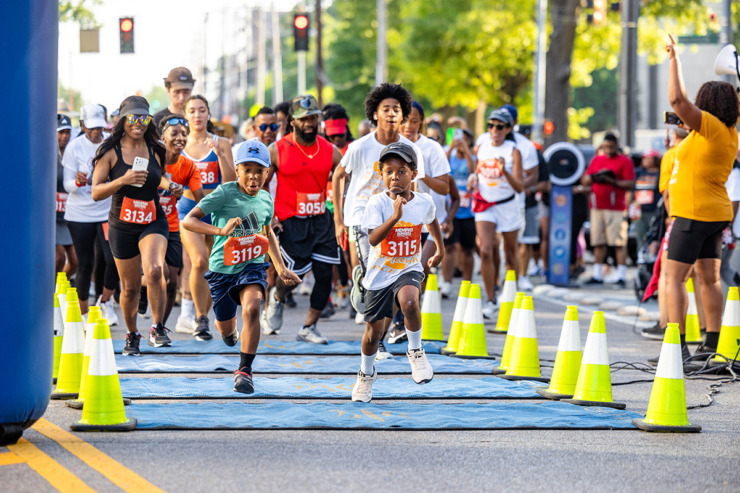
[(143, 119), (497, 126), (271, 126), (177, 121)]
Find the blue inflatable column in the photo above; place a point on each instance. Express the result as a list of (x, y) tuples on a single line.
[(28, 35)]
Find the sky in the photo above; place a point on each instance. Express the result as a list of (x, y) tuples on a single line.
[(168, 34)]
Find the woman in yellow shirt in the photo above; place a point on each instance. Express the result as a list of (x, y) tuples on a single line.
[(699, 203)]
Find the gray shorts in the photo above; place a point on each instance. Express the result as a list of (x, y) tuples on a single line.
[(379, 303), (62, 236), (531, 234)]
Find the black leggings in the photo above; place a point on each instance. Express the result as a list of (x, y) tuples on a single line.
[(323, 274), (84, 236)]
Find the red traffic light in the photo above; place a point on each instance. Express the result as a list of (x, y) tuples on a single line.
[(127, 25), (300, 22), (549, 128)]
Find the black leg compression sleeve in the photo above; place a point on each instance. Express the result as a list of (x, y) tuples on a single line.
[(322, 273)]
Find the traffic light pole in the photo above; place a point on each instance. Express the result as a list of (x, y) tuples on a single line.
[(301, 72)]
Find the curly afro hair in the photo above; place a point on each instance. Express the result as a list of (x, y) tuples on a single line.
[(387, 90), (719, 99)]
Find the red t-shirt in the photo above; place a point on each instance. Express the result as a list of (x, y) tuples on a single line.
[(610, 197), (183, 172)]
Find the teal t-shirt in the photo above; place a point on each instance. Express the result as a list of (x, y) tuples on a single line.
[(226, 202)]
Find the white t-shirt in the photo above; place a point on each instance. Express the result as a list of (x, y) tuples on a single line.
[(733, 191), (436, 164), (526, 149), (361, 160), (400, 251), (492, 183), (81, 207)]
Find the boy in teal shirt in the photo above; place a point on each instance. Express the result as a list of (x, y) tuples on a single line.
[(241, 213)]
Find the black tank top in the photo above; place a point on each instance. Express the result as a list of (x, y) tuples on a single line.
[(139, 200)]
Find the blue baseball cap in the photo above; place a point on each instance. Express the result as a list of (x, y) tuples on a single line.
[(512, 111), (252, 151)]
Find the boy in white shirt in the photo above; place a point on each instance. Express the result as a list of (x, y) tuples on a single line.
[(393, 220)]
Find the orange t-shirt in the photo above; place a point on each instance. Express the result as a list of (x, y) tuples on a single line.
[(183, 172), (666, 168), (702, 166)]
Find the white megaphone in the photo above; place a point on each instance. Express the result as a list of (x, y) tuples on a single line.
[(727, 61)]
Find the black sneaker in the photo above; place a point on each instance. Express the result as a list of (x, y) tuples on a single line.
[(703, 353), (594, 281), (142, 301), (243, 381), (328, 310), (685, 354), (655, 332), (621, 283), (132, 344), (232, 339), (397, 334), (289, 301), (158, 336), (201, 332)]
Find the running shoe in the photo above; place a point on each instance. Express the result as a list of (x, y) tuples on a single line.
[(290, 301), (143, 303), (685, 354), (613, 278), (421, 370), (232, 339), (655, 332), (274, 312), (328, 310), (341, 299), (243, 381), (397, 333), (185, 323), (201, 332), (382, 353), (132, 344), (593, 281), (525, 284), (265, 326), (158, 336), (359, 319), (108, 311), (357, 294), (363, 388), (489, 310), (703, 353), (309, 333), (306, 287), (445, 289)]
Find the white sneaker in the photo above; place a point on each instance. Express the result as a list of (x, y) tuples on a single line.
[(613, 278), (309, 333), (265, 326), (382, 352), (525, 284), (274, 312), (108, 311), (185, 323), (360, 319), (421, 370), (306, 287), (363, 389), (489, 310), (445, 289)]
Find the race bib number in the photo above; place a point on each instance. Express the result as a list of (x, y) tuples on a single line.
[(644, 197), (62, 201), (310, 204), (138, 211), (168, 204), (208, 172), (465, 200), (403, 241), (240, 249)]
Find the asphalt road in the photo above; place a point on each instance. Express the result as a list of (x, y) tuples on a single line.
[(562, 460)]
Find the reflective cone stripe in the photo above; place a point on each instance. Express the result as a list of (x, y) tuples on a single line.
[(473, 340), (511, 334), (524, 360), (431, 312), (92, 318), (70, 361), (729, 336), (506, 302), (103, 406), (667, 407), (58, 334), (457, 319), (568, 359), (693, 332)]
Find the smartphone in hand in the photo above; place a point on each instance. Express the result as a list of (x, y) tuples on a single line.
[(140, 164)]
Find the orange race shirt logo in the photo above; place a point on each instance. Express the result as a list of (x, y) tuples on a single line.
[(310, 204), (208, 172), (240, 249), (136, 211), (62, 201)]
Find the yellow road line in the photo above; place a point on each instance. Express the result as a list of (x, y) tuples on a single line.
[(118, 474), (8, 458), (49, 469)]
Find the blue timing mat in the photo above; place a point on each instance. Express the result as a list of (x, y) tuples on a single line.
[(217, 346), (329, 388), (209, 363), (396, 416)]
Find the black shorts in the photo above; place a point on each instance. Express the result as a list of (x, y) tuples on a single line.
[(305, 240), (124, 241), (379, 303), (692, 240), (173, 256), (463, 232), (226, 288)]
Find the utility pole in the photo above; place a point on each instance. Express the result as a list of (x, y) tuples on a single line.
[(627, 117), (540, 70), (277, 58), (260, 96), (319, 60), (725, 32), (381, 65)]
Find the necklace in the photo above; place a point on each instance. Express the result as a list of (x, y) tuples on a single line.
[(300, 148)]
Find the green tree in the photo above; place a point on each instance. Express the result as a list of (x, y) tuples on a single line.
[(78, 11)]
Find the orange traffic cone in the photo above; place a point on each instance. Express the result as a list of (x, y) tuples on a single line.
[(431, 312), (511, 334), (473, 340), (667, 407), (729, 336), (457, 320), (506, 302), (594, 387), (70, 362), (567, 361), (524, 361), (693, 332)]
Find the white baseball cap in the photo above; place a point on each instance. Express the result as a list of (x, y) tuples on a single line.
[(93, 116)]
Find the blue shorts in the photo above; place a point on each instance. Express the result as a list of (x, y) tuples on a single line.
[(185, 205), (226, 288)]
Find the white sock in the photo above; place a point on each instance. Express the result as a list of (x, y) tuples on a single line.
[(598, 268), (186, 307), (414, 339), (367, 363), (622, 271)]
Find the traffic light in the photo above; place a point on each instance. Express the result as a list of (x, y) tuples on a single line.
[(126, 27), (300, 32), (549, 128)]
